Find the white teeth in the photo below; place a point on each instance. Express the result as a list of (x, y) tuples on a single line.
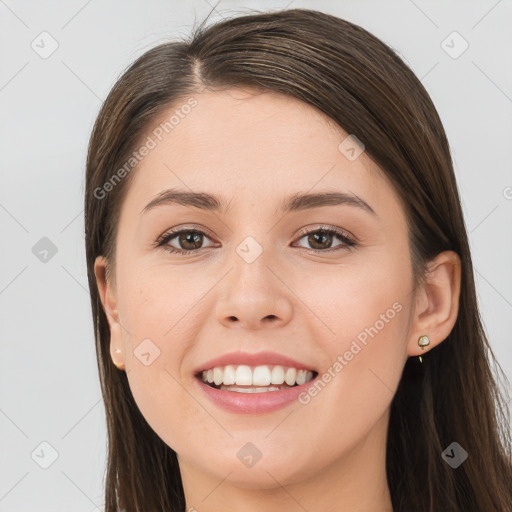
[(264, 375), (261, 376), (301, 376), (229, 375), (277, 375), (243, 376), (249, 390), (290, 376), (218, 375)]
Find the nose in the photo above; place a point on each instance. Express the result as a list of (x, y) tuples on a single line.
[(253, 294)]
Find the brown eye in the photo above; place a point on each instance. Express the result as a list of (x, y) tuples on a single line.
[(190, 240), (186, 240), (321, 240)]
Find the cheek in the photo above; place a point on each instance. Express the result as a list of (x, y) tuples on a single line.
[(163, 401), (366, 309), (160, 303), (348, 301), (159, 311)]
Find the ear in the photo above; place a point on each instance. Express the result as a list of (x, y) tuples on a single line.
[(437, 302), (108, 299)]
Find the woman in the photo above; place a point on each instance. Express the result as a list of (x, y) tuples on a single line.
[(281, 282)]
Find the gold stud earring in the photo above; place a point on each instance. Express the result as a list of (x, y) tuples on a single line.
[(423, 342)]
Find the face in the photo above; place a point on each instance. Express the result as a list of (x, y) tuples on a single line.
[(322, 286)]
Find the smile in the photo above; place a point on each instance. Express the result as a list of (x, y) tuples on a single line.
[(254, 383), (255, 379)]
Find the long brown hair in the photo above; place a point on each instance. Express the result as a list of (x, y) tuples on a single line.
[(363, 85)]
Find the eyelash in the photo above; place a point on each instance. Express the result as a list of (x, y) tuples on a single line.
[(348, 242)]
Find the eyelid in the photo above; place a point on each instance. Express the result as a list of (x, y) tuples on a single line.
[(186, 227), (303, 231), (318, 227)]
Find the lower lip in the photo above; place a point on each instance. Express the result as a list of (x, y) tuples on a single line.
[(253, 403)]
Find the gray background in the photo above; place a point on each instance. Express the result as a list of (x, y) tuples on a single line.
[(48, 378)]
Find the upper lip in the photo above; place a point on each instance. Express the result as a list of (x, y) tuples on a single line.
[(256, 359)]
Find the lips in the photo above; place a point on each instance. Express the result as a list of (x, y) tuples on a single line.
[(256, 383)]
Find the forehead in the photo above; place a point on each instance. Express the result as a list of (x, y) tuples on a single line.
[(251, 145)]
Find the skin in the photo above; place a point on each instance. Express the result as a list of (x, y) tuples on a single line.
[(254, 149)]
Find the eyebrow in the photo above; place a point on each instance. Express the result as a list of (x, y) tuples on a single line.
[(296, 202)]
